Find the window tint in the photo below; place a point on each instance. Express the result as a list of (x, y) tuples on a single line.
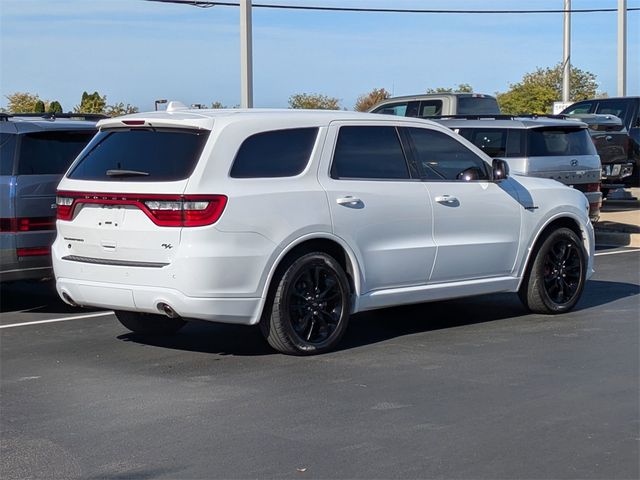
[(279, 153), (369, 152), (398, 109), (496, 142), (141, 155), (7, 153), (579, 108), (444, 158), (619, 108), (430, 108), (477, 105), (50, 152), (547, 142)]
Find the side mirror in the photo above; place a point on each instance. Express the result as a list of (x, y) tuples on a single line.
[(500, 169)]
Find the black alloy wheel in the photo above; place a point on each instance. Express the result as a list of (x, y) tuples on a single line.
[(562, 271), (308, 308)]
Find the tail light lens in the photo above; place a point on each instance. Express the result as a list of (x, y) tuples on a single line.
[(163, 210), (593, 187), (27, 224), (33, 251)]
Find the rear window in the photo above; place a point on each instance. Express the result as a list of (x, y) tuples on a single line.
[(44, 153), (548, 142), (141, 155), (278, 153), (7, 153), (477, 105)]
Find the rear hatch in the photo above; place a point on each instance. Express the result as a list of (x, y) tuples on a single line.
[(563, 153), (122, 201)]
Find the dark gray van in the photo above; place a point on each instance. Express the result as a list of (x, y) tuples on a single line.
[(35, 151)]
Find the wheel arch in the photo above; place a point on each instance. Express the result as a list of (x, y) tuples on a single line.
[(564, 221), (321, 242)]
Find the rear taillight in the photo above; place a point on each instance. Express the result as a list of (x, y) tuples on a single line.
[(27, 224), (592, 187), (163, 210), (33, 251)]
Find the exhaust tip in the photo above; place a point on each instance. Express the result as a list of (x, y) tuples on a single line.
[(167, 310), (69, 300)]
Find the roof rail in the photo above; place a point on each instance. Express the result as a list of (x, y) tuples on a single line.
[(53, 116), (490, 116)]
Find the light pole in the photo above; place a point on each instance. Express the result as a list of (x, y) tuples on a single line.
[(246, 55), (158, 102), (566, 57), (622, 48)]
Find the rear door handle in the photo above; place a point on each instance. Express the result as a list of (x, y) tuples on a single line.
[(446, 199), (349, 201)]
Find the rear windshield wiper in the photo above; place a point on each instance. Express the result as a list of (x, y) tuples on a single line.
[(126, 173)]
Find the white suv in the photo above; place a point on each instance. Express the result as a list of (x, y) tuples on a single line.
[(297, 219)]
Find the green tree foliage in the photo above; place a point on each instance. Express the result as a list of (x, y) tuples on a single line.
[(21, 102), (217, 104), (537, 91), (39, 107), (368, 100), (119, 109), (55, 107), (313, 101), (91, 103), (461, 88)]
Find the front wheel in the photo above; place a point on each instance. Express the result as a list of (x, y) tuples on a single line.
[(309, 310), (149, 324), (557, 275)]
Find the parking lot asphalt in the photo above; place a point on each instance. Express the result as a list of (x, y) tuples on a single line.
[(471, 388)]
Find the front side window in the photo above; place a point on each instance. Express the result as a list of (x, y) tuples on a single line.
[(369, 152), (444, 158), (554, 141), (141, 155), (278, 153), (44, 153), (579, 108)]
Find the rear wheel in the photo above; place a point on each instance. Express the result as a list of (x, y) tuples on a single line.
[(149, 324), (557, 275), (309, 310)]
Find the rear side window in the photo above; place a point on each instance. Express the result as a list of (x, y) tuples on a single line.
[(141, 155), (549, 142), (369, 153), (51, 152), (7, 153), (430, 108), (477, 105), (399, 109), (444, 158), (279, 153), (496, 142)]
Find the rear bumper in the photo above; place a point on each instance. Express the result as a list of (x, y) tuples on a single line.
[(116, 296)]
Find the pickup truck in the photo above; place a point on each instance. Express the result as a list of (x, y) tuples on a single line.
[(614, 124), (438, 104)]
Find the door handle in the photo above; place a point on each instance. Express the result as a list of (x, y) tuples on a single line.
[(448, 199), (349, 201)]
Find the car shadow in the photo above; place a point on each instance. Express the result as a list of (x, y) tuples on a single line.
[(34, 297), (376, 326)]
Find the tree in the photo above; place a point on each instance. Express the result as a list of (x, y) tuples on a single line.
[(119, 109), (217, 104), (368, 100), (313, 101), (537, 91), (461, 88), (55, 107), (91, 103), (39, 107), (21, 102)]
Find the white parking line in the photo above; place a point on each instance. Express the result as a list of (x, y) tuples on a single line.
[(617, 252), (53, 320)]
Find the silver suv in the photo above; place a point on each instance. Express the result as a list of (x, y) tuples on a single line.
[(35, 150), (545, 147)]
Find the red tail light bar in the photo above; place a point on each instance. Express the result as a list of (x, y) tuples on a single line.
[(27, 224), (163, 210), (33, 251)]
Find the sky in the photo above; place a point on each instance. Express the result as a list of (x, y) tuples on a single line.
[(136, 51)]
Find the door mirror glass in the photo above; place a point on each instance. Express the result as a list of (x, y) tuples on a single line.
[(500, 169)]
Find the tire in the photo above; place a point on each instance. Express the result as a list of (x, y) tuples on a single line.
[(149, 324), (308, 308), (555, 280)]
